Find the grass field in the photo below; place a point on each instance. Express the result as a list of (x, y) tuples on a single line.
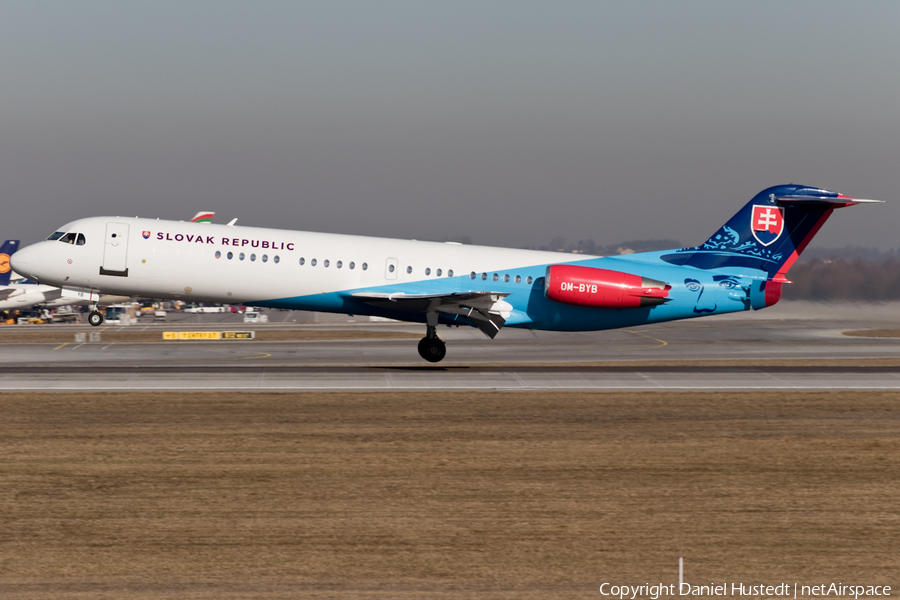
[(442, 495)]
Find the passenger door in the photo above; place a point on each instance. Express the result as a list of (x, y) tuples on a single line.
[(115, 250)]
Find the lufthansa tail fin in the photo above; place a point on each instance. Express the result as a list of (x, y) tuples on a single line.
[(768, 233), (6, 250)]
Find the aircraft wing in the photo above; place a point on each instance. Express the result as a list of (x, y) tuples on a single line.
[(487, 310)]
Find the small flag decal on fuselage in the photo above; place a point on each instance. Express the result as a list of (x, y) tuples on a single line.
[(204, 216)]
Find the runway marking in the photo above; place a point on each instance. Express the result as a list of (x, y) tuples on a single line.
[(642, 334), (780, 380), (260, 355), (649, 379), (107, 346), (62, 346), (519, 380)]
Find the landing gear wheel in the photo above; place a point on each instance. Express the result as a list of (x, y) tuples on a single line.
[(432, 349), (95, 318)]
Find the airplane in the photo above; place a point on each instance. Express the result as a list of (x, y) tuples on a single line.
[(742, 266)]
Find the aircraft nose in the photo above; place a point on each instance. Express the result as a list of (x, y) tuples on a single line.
[(24, 261)]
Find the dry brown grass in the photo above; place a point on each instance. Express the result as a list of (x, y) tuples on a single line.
[(442, 495)]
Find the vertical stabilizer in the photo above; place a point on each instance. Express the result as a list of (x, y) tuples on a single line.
[(768, 233)]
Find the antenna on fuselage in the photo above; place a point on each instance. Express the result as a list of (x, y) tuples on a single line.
[(231, 222)]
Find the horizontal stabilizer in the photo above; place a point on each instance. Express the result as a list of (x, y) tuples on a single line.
[(843, 200)]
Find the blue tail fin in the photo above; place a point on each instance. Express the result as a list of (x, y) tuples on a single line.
[(768, 233), (7, 250)]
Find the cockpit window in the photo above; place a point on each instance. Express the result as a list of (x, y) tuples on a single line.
[(56, 235), (80, 241), (69, 238)]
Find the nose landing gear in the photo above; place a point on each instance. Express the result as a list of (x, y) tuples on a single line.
[(95, 318)]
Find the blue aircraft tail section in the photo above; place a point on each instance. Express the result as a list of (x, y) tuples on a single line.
[(6, 250), (768, 233)]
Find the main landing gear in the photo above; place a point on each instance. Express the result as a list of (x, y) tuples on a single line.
[(95, 318), (431, 347)]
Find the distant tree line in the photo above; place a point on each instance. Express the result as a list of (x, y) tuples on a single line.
[(844, 279)]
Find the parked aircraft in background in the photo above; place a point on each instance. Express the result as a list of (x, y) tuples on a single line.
[(741, 267), (6, 251), (22, 296)]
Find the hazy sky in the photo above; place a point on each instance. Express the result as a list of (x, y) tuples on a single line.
[(508, 122)]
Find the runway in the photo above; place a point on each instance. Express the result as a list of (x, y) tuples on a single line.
[(557, 378), (745, 352)]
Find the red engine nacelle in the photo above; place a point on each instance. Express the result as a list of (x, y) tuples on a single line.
[(601, 288)]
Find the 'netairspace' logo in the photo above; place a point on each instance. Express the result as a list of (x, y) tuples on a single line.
[(782, 590)]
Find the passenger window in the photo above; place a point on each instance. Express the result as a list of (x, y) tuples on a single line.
[(56, 235), (352, 265), (302, 261), (528, 279), (241, 256), (265, 258), (80, 241), (506, 279), (391, 268), (409, 269), (339, 264), (277, 259), (312, 263), (472, 275), (365, 266), (484, 276), (252, 257), (449, 273), (438, 273), (218, 254), (495, 277), (230, 255), (518, 279), (428, 270), (326, 263)]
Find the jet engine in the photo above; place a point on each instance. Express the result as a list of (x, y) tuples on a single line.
[(602, 288)]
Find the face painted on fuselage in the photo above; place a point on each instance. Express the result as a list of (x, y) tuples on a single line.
[(701, 306)]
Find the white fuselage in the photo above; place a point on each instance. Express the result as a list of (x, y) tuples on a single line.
[(247, 265)]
